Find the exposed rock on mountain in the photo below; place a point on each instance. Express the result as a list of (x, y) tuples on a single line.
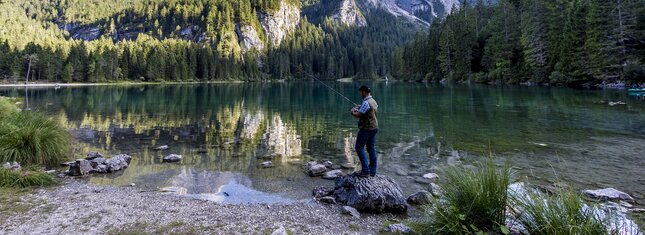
[(249, 38), (277, 24), (348, 13)]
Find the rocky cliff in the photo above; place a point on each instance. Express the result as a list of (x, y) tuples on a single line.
[(348, 13), (277, 24)]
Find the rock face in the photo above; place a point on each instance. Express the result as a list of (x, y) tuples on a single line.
[(349, 14), (277, 24), (249, 38), (608, 194), (93, 164), (373, 194), (172, 158)]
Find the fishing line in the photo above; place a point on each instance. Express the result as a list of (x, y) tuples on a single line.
[(335, 91)]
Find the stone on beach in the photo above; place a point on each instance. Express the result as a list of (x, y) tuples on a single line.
[(398, 229), (608, 194), (351, 211), (419, 198), (172, 158), (93, 155), (328, 164), (322, 191), (431, 176), (280, 231), (327, 199)]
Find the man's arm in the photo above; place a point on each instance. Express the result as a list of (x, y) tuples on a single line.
[(358, 112)]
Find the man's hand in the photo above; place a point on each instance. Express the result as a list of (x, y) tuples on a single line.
[(355, 112)]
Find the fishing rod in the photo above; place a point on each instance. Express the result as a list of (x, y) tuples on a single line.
[(330, 88)]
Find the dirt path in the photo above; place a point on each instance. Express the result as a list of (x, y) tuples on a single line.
[(78, 207)]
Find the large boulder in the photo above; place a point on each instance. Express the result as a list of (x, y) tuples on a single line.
[(372, 194)]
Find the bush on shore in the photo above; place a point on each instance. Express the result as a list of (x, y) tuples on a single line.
[(473, 201), (24, 178), (562, 213), (31, 138)]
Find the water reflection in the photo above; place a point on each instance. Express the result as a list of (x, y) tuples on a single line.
[(232, 128)]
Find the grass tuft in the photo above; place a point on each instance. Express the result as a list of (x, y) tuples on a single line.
[(7, 107), (474, 200), (31, 138), (24, 178), (562, 213)]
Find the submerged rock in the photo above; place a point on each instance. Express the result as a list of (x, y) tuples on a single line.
[(374, 194), (398, 228), (330, 175), (172, 158), (351, 211), (419, 198), (608, 194)]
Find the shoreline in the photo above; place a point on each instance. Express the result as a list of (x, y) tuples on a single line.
[(47, 84), (80, 206)]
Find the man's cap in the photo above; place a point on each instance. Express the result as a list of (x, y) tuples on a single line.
[(365, 88)]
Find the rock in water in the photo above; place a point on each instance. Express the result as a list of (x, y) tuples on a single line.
[(162, 148), (327, 199), (267, 164), (118, 162), (172, 158), (328, 164), (93, 155), (348, 166), (80, 167), (431, 176), (419, 198), (351, 211), (374, 194), (608, 194), (398, 229), (316, 170), (330, 175)]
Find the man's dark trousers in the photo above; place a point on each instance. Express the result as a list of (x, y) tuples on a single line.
[(367, 137)]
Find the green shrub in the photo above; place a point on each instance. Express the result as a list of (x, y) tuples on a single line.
[(24, 178), (473, 200), (7, 107), (561, 213), (31, 138)]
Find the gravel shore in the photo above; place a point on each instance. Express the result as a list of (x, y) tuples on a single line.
[(78, 207)]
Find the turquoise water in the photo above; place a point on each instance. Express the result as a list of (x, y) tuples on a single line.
[(224, 131)]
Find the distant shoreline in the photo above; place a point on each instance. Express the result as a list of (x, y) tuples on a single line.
[(48, 84)]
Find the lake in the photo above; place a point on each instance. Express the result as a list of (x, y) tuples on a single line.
[(224, 132)]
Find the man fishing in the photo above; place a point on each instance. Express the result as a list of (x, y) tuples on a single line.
[(368, 127)]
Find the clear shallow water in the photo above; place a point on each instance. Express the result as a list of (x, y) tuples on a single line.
[(224, 130)]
